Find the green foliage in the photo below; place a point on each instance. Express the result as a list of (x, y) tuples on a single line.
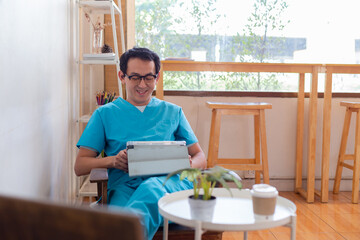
[(202, 13), (230, 81), (153, 20), (267, 16), (207, 179), (249, 82), (156, 24)]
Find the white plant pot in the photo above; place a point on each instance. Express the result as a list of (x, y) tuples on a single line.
[(202, 209)]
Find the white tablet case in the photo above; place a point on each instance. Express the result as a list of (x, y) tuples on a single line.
[(146, 158)]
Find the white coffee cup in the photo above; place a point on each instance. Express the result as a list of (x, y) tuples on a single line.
[(264, 199)]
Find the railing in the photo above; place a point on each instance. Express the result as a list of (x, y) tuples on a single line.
[(301, 69), (193, 66)]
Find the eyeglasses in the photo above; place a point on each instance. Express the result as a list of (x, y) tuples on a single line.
[(148, 78)]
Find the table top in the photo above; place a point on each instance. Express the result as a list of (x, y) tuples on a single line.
[(230, 214)]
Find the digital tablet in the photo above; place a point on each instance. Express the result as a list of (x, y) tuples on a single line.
[(146, 158)]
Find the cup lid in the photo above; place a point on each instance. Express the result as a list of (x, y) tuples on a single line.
[(264, 190)]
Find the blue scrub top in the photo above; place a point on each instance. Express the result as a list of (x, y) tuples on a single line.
[(114, 124)]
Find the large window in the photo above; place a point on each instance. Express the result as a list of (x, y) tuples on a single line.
[(283, 31)]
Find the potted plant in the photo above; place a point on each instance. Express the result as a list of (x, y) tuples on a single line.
[(202, 202)]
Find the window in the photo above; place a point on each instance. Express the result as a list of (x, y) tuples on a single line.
[(281, 31)]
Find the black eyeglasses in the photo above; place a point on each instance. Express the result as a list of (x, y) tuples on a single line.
[(148, 78)]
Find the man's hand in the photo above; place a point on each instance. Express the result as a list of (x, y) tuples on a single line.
[(87, 160), (121, 161), (197, 159)]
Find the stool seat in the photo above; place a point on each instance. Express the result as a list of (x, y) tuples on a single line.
[(260, 162), (351, 107), (350, 104)]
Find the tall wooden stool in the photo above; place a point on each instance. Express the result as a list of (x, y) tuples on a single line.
[(258, 111), (350, 108)]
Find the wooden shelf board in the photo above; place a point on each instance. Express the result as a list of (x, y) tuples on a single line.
[(88, 189)]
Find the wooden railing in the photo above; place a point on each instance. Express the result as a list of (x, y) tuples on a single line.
[(301, 69), (193, 66)]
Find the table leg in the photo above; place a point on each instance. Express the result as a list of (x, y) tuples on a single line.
[(165, 229), (245, 235), (198, 230), (293, 227)]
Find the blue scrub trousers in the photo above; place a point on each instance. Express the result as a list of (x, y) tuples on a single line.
[(141, 195)]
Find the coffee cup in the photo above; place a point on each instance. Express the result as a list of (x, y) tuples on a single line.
[(264, 199)]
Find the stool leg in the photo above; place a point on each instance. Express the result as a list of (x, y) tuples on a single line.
[(214, 138), (257, 146), (264, 148), (342, 150), (356, 169)]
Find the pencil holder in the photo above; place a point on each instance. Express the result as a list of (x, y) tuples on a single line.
[(103, 98)]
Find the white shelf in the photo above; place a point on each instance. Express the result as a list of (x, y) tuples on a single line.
[(85, 118), (104, 62), (100, 58), (88, 189), (113, 8), (100, 6)]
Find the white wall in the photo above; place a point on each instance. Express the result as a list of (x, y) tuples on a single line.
[(35, 73), (236, 135)]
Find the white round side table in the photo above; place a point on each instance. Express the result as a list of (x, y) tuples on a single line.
[(230, 214)]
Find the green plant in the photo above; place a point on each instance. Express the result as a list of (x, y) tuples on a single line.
[(207, 179)]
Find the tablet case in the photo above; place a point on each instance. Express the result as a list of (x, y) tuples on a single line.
[(146, 158)]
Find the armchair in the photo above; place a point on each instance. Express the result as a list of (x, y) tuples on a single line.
[(176, 232), (27, 219)]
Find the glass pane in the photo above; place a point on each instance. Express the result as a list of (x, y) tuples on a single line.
[(346, 83), (281, 31), (231, 81)]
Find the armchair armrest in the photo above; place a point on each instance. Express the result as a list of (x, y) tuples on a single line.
[(100, 176)]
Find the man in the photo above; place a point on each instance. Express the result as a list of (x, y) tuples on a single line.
[(139, 118)]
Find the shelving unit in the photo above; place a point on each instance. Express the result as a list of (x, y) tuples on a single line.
[(101, 7)]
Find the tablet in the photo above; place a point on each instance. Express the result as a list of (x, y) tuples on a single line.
[(147, 158)]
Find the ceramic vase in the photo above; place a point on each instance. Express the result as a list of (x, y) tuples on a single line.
[(202, 210)]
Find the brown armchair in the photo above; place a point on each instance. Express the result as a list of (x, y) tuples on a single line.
[(26, 219), (176, 232)]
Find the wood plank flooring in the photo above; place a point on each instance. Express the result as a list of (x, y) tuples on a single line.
[(337, 219)]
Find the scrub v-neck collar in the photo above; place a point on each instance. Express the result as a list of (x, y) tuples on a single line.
[(136, 107)]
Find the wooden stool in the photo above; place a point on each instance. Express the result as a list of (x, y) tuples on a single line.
[(350, 108), (255, 109)]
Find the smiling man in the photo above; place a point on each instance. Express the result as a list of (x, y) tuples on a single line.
[(140, 117)]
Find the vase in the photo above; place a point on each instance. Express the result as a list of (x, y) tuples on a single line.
[(200, 209), (97, 40)]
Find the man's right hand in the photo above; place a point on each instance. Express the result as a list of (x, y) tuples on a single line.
[(121, 161)]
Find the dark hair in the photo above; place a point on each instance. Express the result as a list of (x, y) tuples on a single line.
[(143, 54)]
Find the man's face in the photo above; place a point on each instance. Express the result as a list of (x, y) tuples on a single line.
[(139, 93)]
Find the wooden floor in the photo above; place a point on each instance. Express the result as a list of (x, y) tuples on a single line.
[(337, 219)]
